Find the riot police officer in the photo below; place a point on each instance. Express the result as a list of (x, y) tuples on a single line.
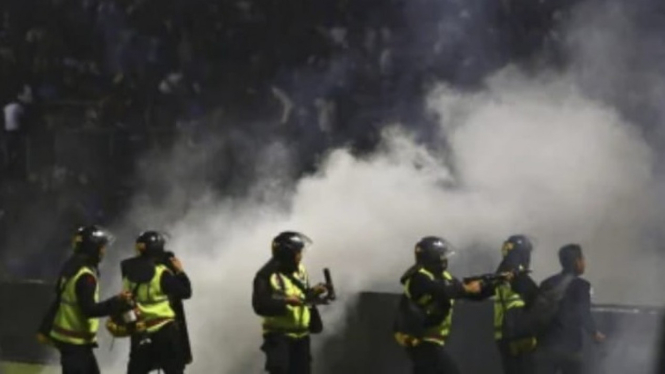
[(515, 338), (73, 320), (426, 308), (281, 295), (156, 280)]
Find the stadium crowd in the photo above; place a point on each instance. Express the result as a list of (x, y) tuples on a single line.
[(88, 86)]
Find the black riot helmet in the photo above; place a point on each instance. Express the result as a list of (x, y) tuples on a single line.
[(150, 243), (516, 251), (432, 252), (287, 245), (89, 240)]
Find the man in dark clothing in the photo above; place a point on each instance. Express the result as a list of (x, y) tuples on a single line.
[(157, 281), (72, 321), (561, 343), (425, 311)]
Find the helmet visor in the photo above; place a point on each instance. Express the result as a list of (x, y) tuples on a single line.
[(445, 248), (304, 239), (104, 236)]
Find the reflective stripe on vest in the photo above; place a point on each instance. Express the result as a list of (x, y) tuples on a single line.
[(435, 334), (504, 299), (295, 322), (152, 302), (70, 325)]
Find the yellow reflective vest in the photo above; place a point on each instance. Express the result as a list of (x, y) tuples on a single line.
[(435, 334), (505, 299), (153, 304), (70, 325), (295, 322)]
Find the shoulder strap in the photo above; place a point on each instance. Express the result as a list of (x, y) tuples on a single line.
[(565, 283), (556, 293), (297, 283)]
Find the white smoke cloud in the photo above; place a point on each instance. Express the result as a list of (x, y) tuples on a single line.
[(526, 155), (535, 155)]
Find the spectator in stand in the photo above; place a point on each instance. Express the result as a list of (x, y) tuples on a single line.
[(15, 131)]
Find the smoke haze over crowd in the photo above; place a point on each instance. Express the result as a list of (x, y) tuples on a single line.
[(551, 154)]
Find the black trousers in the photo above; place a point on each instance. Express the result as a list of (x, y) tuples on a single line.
[(430, 358), (523, 363), (285, 355), (556, 362), (78, 359), (162, 352)]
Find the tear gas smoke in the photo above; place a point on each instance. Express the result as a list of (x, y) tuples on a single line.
[(530, 155)]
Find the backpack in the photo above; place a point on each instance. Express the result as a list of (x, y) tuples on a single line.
[(548, 302), (533, 321)]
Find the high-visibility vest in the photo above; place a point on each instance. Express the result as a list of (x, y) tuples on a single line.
[(435, 334), (505, 299), (153, 304), (295, 322), (70, 325)]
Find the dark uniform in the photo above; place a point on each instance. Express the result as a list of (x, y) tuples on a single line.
[(561, 344), (516, 343), (72, 322), (431, 291), (280, 291), (155, 283)]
